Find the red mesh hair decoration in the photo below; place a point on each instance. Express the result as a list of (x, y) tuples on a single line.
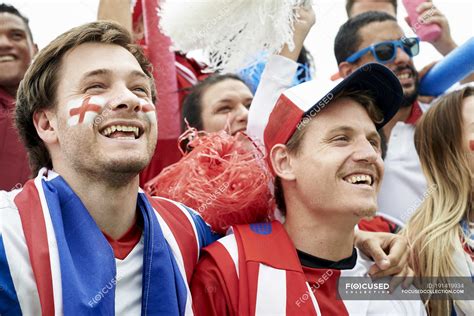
[(222, 177)]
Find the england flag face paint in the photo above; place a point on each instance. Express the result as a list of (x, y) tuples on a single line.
[(149, 109), (471, 145), (87, 109), (84, 110)]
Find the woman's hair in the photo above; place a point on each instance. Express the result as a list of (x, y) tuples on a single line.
[(434, 230), (192, 104)]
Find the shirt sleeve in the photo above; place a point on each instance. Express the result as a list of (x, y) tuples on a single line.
[(210, 295), (276, 78), (205, 234)]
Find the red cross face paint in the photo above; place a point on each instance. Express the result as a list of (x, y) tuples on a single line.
[(149, 109), (84, 110), (471, 145)]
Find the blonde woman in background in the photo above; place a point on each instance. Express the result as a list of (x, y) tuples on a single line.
[(441, 230)]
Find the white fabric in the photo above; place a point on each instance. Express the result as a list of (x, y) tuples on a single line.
[(276, 78), (17, 255), (378, 307), (271, 291), (53, 247), (128, 291), (464, 267), (230, 244), (404, 186), (173, 244), (231, 33)]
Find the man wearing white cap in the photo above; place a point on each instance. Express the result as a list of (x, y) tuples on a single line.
[(324, 149)]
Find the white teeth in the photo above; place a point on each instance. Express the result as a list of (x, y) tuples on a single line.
[(121, 128), (360, 179), (6, 58), (404, 76)]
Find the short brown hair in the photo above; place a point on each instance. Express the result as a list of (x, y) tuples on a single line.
[(350, 4), (293, 145), (37, 90)]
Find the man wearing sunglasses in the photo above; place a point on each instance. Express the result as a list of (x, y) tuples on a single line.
[(376, 37)]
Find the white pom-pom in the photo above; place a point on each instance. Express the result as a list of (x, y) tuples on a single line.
[(231, 32)]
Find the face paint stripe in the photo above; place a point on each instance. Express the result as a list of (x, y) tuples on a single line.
[(471, 145), (85, 107), (148, 109), (146, 106)]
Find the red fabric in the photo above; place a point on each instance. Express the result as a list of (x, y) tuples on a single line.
[(183, 77), (125, 244), (164, 72), (171, 92), (166, 153), (415, 113), (14, 166), (276, 133), (378, 224), (326, 291), (179, 223), (34, 227), (219, 297), (256, 244)]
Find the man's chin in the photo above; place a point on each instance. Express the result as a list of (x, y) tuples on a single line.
[(119, 173), (128, 168), (409, 96), (366, 211)]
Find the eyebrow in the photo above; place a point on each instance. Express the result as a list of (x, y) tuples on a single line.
[(350, 129), (17, 30), (341, 129), (108, 72)]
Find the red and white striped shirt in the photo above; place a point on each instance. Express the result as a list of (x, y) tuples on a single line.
[(256, 271)]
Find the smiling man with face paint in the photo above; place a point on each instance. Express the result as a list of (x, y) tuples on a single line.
[(82, 238)]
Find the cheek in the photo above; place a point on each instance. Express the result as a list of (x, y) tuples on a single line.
[(214, 122)]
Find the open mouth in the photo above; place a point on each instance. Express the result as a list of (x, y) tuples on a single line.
[(360, 179), (405, 76), (6, 58), (128, 132)]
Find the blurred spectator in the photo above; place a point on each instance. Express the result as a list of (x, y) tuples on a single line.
[(218, 102), (429, 14), (16, 52), (442, 229)]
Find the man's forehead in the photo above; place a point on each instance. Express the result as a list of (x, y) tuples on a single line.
[(378, 32), (12, 21), (93, 56), (342, 112)]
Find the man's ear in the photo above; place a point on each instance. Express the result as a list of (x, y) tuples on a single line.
[(46, 126), (281, 161), (345, 69)]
